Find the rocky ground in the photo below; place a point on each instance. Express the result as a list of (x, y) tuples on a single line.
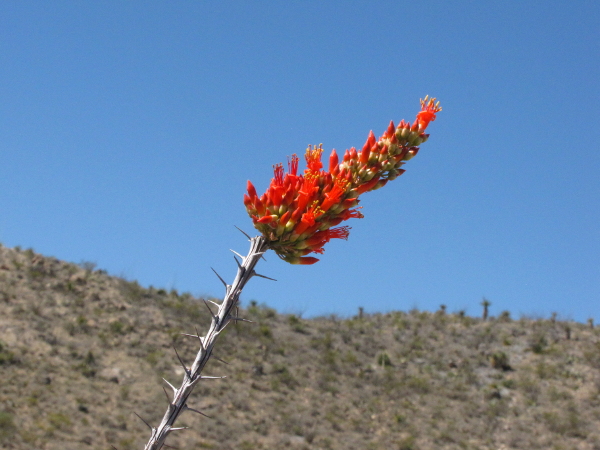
[(81, 351)]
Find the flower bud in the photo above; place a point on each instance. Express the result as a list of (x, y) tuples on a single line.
[(333, 161)]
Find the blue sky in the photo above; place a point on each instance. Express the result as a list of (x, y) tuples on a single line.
[(128, 131)]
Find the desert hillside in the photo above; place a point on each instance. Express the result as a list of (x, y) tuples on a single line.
[(81, 351)]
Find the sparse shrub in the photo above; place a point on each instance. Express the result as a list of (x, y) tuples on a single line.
[(545, 370), (417, 344), (555, 394), (567, 328), (6, 356), (504, 316), (7, 426), (538, 343), (35, 272), (125, 392), (79, 325), (154, 356), (567, 422), (265, 331), (407, 443), (127, 444), (269, 313), (117, 327), (496, 407), (500, 361), (247, 445), (88, 266), (418, 384), (592, 355), (508, 383), (383, 360), (296, 324), (133, 291), (58, 421), (530, 388), (323, 342), (182, 307), (88, 366), (284, 376), (261, 311), (350, 358)]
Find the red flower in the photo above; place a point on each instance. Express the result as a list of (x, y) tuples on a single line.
[(333, 196), (298, 212), (313, 158), (427, 114)]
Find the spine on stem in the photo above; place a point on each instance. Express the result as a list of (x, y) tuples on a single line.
[(193, 374)]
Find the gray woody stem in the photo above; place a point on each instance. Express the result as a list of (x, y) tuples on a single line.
[(192, 375)]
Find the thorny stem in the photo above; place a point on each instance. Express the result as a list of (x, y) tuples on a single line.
[(192, 375)]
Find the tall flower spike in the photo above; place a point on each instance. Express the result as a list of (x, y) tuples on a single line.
[(298, 212)]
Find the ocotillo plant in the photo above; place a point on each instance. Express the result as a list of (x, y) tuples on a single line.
[(297, 216), (486, 308)]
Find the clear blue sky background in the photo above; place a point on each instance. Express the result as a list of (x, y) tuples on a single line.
[(128, 131)]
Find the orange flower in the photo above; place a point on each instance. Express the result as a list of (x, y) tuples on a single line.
[(313, 158), (333, 196), (298, 212), (427, 114)]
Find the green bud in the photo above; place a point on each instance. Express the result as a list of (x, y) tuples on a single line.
[(412, 137), (290, 225), (336, 209), (301, 245)]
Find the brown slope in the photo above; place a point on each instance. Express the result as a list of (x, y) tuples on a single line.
[(81, 351)]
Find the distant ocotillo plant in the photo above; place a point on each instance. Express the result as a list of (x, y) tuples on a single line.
[(486, 308), (297, 216)]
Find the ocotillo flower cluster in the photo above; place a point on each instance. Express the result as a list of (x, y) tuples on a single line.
[(299, 214)]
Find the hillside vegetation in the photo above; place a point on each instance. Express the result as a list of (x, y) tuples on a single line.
[(81, 351)]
